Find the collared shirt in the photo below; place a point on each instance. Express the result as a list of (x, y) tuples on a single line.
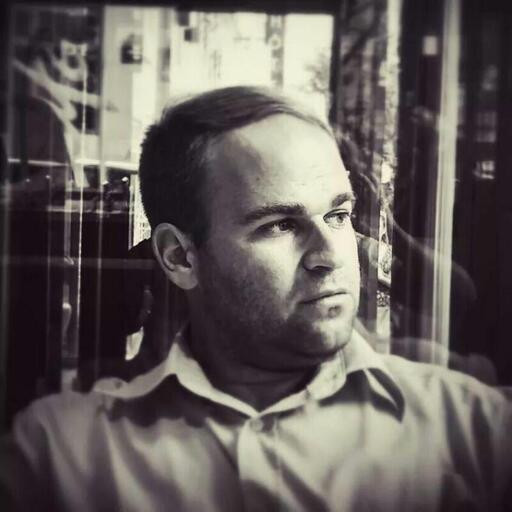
[(369, 432)]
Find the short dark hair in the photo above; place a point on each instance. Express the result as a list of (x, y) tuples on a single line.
[(174, 151)]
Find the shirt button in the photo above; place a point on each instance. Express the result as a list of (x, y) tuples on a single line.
[(257, 424)]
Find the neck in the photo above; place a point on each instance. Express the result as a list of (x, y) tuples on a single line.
[(258, 387)]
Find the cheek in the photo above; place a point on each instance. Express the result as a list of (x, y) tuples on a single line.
[(264, 271), (274, 270), (351, 248), (269, 269), (356, 270)]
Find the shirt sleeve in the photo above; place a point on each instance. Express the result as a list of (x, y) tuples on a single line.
[(23, 464), (504, 458)]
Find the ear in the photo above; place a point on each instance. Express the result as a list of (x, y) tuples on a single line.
[(176, 254)]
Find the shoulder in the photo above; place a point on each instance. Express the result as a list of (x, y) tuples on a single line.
[(66, 402), (61, 412), (111, 404), (51, 430), (449, 393), (419, 376), (468, 420)]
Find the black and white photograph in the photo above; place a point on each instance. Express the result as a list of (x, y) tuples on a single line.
[(256, 255)]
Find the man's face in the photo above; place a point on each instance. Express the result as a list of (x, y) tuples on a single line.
[(279, 273)]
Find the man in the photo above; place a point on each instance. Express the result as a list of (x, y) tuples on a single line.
[(269, 399)]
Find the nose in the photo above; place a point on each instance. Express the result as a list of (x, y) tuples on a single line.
[(324, 250)]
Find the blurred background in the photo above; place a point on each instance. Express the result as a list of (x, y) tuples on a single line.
[(419, 93)]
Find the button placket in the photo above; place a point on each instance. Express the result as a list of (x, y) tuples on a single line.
[(257, 469), (257, 424)]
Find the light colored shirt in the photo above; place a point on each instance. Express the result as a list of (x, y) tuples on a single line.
[(369, 433)]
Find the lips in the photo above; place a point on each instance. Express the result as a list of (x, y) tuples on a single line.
[(324, 295)]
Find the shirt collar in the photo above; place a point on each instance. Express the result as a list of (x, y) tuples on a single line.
[(362, 357), (356, 356)]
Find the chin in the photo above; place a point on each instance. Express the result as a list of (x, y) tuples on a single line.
[(332, 335), (327, 326), (319, 341)]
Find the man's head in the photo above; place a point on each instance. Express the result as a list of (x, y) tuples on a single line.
[(175, 152), (250, 206)]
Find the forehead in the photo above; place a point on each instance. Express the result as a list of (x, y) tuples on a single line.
[(278, 159)]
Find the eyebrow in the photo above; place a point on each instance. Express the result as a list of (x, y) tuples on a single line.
[(343, 198), (291, 209)]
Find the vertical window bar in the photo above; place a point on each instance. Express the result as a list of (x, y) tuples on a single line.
[(445, 192)]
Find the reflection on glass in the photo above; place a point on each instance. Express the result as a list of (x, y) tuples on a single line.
[(85, 84)]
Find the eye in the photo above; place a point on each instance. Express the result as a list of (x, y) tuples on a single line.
[(278, 227), (339, 218)]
